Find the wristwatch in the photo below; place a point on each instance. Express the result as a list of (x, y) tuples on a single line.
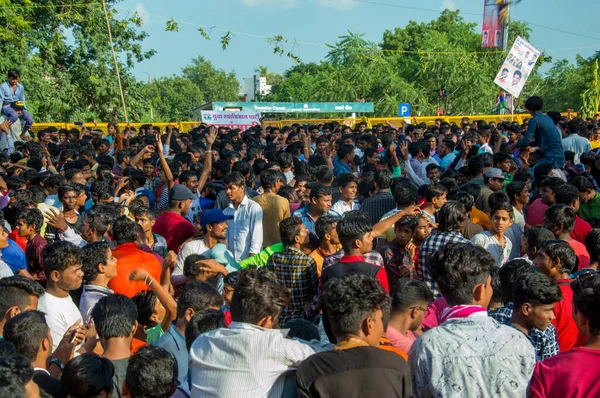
[(57, 362)]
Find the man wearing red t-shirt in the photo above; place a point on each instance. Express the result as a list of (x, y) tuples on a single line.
[(568, 195), (556, 259), (575, 373), (560, 219), (130, 257), (172, 223)]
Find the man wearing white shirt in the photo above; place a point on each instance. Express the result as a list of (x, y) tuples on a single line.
[(575, 142), (252, 356), (245, 230)]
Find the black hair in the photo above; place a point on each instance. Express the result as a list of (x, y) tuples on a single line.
[(500, 157), (352, 227), (145, 302), (497, 292), (409, 292), (502, 206), (451, 216), (285, 160), (537, 235), (510, 272), (92, 255), (323, 174), (348, 301), (198, 296), (258, 294), (458, 268), (513, 189), (534, 104), (383, 178), (302, 329), (289, 228), (541, 172), (13, 74), (203, 321), (561, 215), (586, 299), (434, 191), (564, 252), (405, 195), (15, 182), (231, 278), (67, 188), (124, 230), (26, 331), (451, 187), (317, 191), (114, 316), (15, 373), (566, 194), (592, 244), (582, 184), (32, 217), (190, 268), (346, 178), (70, 173), (344, 150), (16, 291), (234, 178), (324, 225), (88, 375), (60, 255), (536, 289), (552, 182), (269, 178), (466, 199), (151, 373)]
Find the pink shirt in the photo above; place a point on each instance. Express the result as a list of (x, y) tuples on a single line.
[(403, 342), (581, 229), (433, 316), (535, 213), (581, 252), (569, 374)]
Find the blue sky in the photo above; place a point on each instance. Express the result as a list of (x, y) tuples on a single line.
[(315, 22)]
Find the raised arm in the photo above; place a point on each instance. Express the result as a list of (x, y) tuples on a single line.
[(211, 136), (163, 162), (162, 294)]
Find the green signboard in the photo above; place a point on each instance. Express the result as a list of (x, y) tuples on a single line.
[(296, 107)]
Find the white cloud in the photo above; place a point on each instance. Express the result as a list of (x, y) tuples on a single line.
[(448, 4), (270, 3), (339, 4), (143, 13)]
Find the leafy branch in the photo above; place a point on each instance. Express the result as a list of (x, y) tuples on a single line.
[(225, 40), (172, 26)]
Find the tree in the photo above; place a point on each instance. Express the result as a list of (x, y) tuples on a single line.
[(215, 84), (173, 98)]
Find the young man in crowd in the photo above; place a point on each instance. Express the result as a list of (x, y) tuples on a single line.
[(172, 224), (534, 297), (410, 300), (574, 373), (275, 208), (294, 269), (29, 225), (382, 201), (18, 294), (518, 194), (115, 319), (568, 195), (560, 219), (355, 306), (494, 241), (347, 185), (557, 260), (245, 229), (146, 218), (151, 373), (256, 353), (588, 197), (320, 203), (504, 357), (99, 268), (435, 197), (329, 241), (398, 260), (493, 182)]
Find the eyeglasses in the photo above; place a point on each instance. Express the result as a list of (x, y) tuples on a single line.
[(419, 307)]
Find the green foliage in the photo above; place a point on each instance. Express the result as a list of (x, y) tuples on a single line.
[(215, 84), (591, 97), (172, 26), (172, 98)]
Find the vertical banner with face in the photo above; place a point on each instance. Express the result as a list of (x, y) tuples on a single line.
[(517, 67), (495, 15)]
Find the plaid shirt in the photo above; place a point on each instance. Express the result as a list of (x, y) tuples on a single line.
[(377, 205), (545, 342), (371, 258), (398, 263), (298, 272), (152, 184), (430, 245)]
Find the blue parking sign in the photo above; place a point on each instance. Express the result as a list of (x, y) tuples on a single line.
[(404, 110)]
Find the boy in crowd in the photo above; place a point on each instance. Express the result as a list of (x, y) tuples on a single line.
[(397, 259), (347, 185), (467, 337), (296, 270), (151, 373), (62, 265), (433, 173), (146, 218), (534, 297), (560, 219), (99, 267), (435, 196), (518, 193), (410, 300), (470, 229), (592, 244), (115, 318), (557, 260), (568, 195), (354, 305), (29, 225), (572, 373), (320, 203), (589, 198), (493, 182), (18, 294), (88, 375), (329, 241), (494, 241)]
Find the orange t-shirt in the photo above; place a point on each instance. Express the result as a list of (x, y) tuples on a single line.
[(129, 257), (481, 218)]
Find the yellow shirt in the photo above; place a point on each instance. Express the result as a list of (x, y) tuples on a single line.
[(275, 209), (595, 144), (319, 257)]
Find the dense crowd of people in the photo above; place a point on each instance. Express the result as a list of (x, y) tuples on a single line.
[(310, 260)]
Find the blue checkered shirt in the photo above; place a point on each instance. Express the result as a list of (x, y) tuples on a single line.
[(298, 272), (545, 342), (307, 219), (430, 245)]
